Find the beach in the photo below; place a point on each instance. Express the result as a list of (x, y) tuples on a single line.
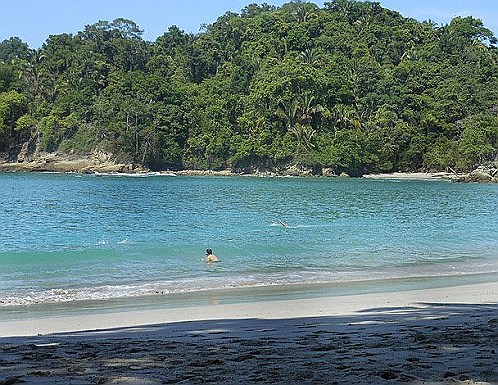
[(427, 336), (372, 281)]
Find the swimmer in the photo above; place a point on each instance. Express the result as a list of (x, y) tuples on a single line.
[(210, 257)]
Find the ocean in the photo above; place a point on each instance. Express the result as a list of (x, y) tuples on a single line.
[(72, 242)]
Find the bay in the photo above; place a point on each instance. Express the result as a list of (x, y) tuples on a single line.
[(70, 240)]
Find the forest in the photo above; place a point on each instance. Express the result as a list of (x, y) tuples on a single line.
[(352, 87)]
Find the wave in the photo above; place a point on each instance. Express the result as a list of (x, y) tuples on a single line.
[(114, 292), (221, 282), (135, 175), (292, 226)]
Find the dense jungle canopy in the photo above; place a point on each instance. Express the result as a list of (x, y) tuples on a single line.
[(352, 86)]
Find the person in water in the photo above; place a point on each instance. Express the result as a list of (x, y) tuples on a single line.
[(210, 257)]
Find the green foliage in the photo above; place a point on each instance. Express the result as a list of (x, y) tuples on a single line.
[(12, 106), (479, 140), (351, 86), (13, 48), (7, 77)]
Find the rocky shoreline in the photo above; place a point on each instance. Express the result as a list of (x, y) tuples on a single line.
[(488, 173), (102, 163), (54, 162)]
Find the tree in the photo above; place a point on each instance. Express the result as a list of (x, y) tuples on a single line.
[(351, 86), (13, 48), (12, 106)]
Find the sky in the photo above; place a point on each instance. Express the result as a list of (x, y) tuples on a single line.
[(35, 20)]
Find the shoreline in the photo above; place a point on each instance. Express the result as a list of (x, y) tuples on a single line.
[(61, 163), (476, 293), (415, 176), (51, 164), (437, 336), (157, 299), (101, 163)]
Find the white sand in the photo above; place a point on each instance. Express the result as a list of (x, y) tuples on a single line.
[(446, 335), (413, 175), (329, 306)]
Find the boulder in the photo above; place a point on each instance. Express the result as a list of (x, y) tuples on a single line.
[(484, 173)]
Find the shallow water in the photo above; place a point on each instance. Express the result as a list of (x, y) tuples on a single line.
[(70, 237)]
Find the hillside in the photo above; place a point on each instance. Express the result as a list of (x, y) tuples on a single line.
[(351, 87)]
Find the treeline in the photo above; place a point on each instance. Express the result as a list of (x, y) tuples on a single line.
[(352, 86)]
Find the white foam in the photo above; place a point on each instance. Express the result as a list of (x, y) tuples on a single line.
[(224, 282), (135, 175)]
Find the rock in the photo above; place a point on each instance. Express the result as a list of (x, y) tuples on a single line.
[(99, 162), (100, 156), (297, 170), (481, 174), (328, 172), (344, 175), (485, 173)]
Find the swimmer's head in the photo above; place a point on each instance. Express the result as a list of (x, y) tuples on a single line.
[(209, 251)]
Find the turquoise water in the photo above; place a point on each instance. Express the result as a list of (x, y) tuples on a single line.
[(69, 237)]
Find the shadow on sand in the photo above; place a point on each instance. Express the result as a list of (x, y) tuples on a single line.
[(425, 344)]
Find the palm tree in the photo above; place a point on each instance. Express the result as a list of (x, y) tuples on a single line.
[(289, 111), (344, 116), (302, 109), (31, 73), (300, 113), (312, 56), (304, 135), (304, 12)]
